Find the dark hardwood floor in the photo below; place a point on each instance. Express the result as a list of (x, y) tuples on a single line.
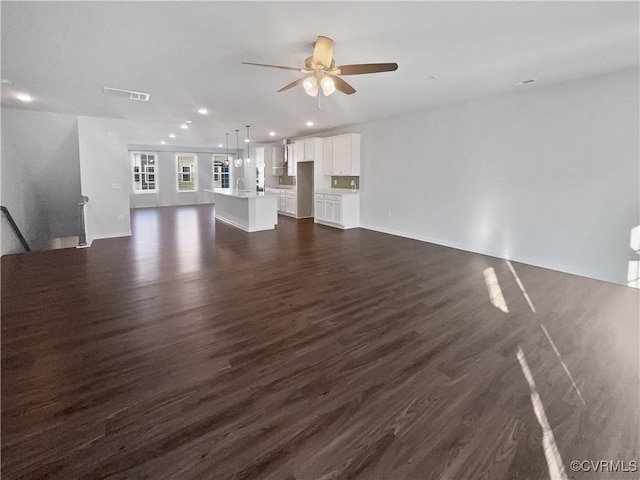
[(193, 350)]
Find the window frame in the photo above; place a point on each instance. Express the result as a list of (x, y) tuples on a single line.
[(222, 173), (193, 173), (133, 173)]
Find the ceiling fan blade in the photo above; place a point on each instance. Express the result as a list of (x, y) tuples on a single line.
[(292, 84), (343, 86), (361, 68), (323, 52), (272, 66)]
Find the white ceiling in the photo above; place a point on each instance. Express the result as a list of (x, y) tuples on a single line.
[(187, 56)]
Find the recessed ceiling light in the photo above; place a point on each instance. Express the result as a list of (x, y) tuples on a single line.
[(23, 97), (220, 145), (309, 123), (184, 126), (171, 135), (6, 81), (188, 121), (246, 140), (163, 142), (272, 134), (203, 111)]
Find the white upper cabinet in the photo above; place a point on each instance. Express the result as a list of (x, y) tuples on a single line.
[(291, 160), (327, 156), (342, 155), (298, 151), (310, 149)]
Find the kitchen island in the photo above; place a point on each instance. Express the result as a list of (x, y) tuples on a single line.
[(248, 210)]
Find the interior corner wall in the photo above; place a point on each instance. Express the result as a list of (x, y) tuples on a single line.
[(546, 175), (104, 171), (40, 177)]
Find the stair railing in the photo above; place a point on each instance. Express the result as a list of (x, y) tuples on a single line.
[(15, 228)]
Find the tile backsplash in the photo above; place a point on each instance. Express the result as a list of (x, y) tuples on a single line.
[(286, 179), (344, 182)]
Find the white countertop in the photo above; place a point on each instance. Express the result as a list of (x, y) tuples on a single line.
[(282, 187), (337, 191), (232, 192)]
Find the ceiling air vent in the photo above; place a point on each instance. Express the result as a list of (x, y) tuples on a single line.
[(116, 92), (525, 82)]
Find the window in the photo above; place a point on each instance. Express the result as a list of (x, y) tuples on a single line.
[(220, 171), (186, 173), (144, 172)]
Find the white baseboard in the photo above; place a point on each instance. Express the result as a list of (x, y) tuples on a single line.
[(520, 259), (232, 223), (111, 235)]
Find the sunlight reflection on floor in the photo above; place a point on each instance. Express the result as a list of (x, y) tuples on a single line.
[(495, 292), (549, 446)]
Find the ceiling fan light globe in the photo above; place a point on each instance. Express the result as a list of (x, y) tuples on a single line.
[(310, 85), (328, 86)]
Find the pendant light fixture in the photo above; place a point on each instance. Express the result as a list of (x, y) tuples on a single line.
[(238, 161), (226, 162), (247, 160)]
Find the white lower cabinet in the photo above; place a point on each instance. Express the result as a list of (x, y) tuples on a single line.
[(319, 208), (291, 203), (335, 210), (287, 200)]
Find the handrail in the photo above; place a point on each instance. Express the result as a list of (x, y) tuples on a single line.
[(82, 239), (15, 228)]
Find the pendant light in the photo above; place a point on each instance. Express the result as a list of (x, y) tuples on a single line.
[(238, 161), (247, 160), (226, 162)]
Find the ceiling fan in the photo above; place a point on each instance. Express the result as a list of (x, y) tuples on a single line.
[(323, 73)]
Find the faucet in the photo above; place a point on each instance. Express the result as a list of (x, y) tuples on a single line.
[(238, 183)]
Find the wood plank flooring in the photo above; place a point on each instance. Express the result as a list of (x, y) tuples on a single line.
[(193, 350)]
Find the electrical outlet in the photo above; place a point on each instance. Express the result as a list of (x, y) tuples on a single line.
[(335, 182), (120, 217)]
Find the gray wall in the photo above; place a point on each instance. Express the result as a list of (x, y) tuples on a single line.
[(40, 177), (546, 175)]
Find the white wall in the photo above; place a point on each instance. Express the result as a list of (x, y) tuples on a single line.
[(40, 177), (547, 175), (104, 170)]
